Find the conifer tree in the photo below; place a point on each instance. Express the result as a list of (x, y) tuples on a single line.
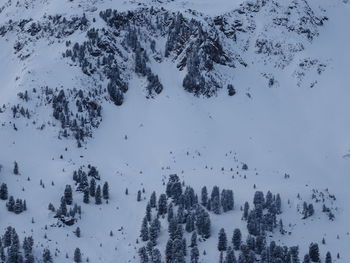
[(328, 257), (237, 239), (314, 252), (15, 168), (222, 244), (3, 192), (68, 195), (153, 199), (162, 205), (139, 196), (77, 255), (98, 199), (86, 196), (144, 230), (92, 187), (47, 258), (105, 191), (194, 255)]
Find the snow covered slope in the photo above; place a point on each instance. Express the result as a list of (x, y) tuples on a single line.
[(284, 130)]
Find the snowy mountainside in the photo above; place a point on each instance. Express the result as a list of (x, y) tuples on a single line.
[(248, 96)]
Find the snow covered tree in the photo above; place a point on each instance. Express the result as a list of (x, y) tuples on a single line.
[(246, 211), (105, 191), (77, 255), (3, 192), (307, 259), (204, 196), (230, 256), (92, 187), (144, 230), (194, 255), (222, 244), (86, 196), (138, 196), (314, 252), (162, 205), (237, 239), (47, 258), (143, 255), (156, 256), (15, 168), (328, 257), (98, 199), (153, 200), (68, 195)]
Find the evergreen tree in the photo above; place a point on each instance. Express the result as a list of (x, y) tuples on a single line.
[(153, 199), (3, 192), (144, 230), (77, 232), (278, 204), (139, 196), (162, 205), (92, 187), (259, 198), (47, 258), (156, 256), (169, 251), (237, 239), (307, 259), (149, 212), (15, 168), (314, 252), (105, 191), (194, 255), (143, 255), (204, 196), (98, 199), (178, 255), (77, 255), (246, 211), (328, 257), (11, 204), (86, 196), (153, 233), (170, 212), (194, 239), (222, 244), (230, 256), (68, 195)]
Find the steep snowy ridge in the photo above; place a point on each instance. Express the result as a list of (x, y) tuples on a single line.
[(248, 96)]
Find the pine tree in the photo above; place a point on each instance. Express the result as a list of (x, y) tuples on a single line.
[(77, 232), (194, 239), (222, 244), (328, 257), (169, 251), (3, 192), (139, 196), (194, 255), (230, 256), (149, 212), (92, 187), (77, 255), (307, 259), (144, 230), (143, 255), (204, 196), (178, 255), (314, 252), (259, 198), (68, 195), (98, 199), (156, 256), (86, 196), (170, 212), (15, 168), (162, 205), (11, 204), (153, 233), (237, 239), (47, 258), (105, 191), (153, 199), (246, 211)]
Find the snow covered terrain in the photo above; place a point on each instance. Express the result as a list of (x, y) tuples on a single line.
[(248, 96)]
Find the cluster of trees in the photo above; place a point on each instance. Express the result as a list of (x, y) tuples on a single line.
[(263, 217), (80, 121), (16, 206), (183, 212), (217, 203), (11, 250), (308, 210), (91, 189)]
